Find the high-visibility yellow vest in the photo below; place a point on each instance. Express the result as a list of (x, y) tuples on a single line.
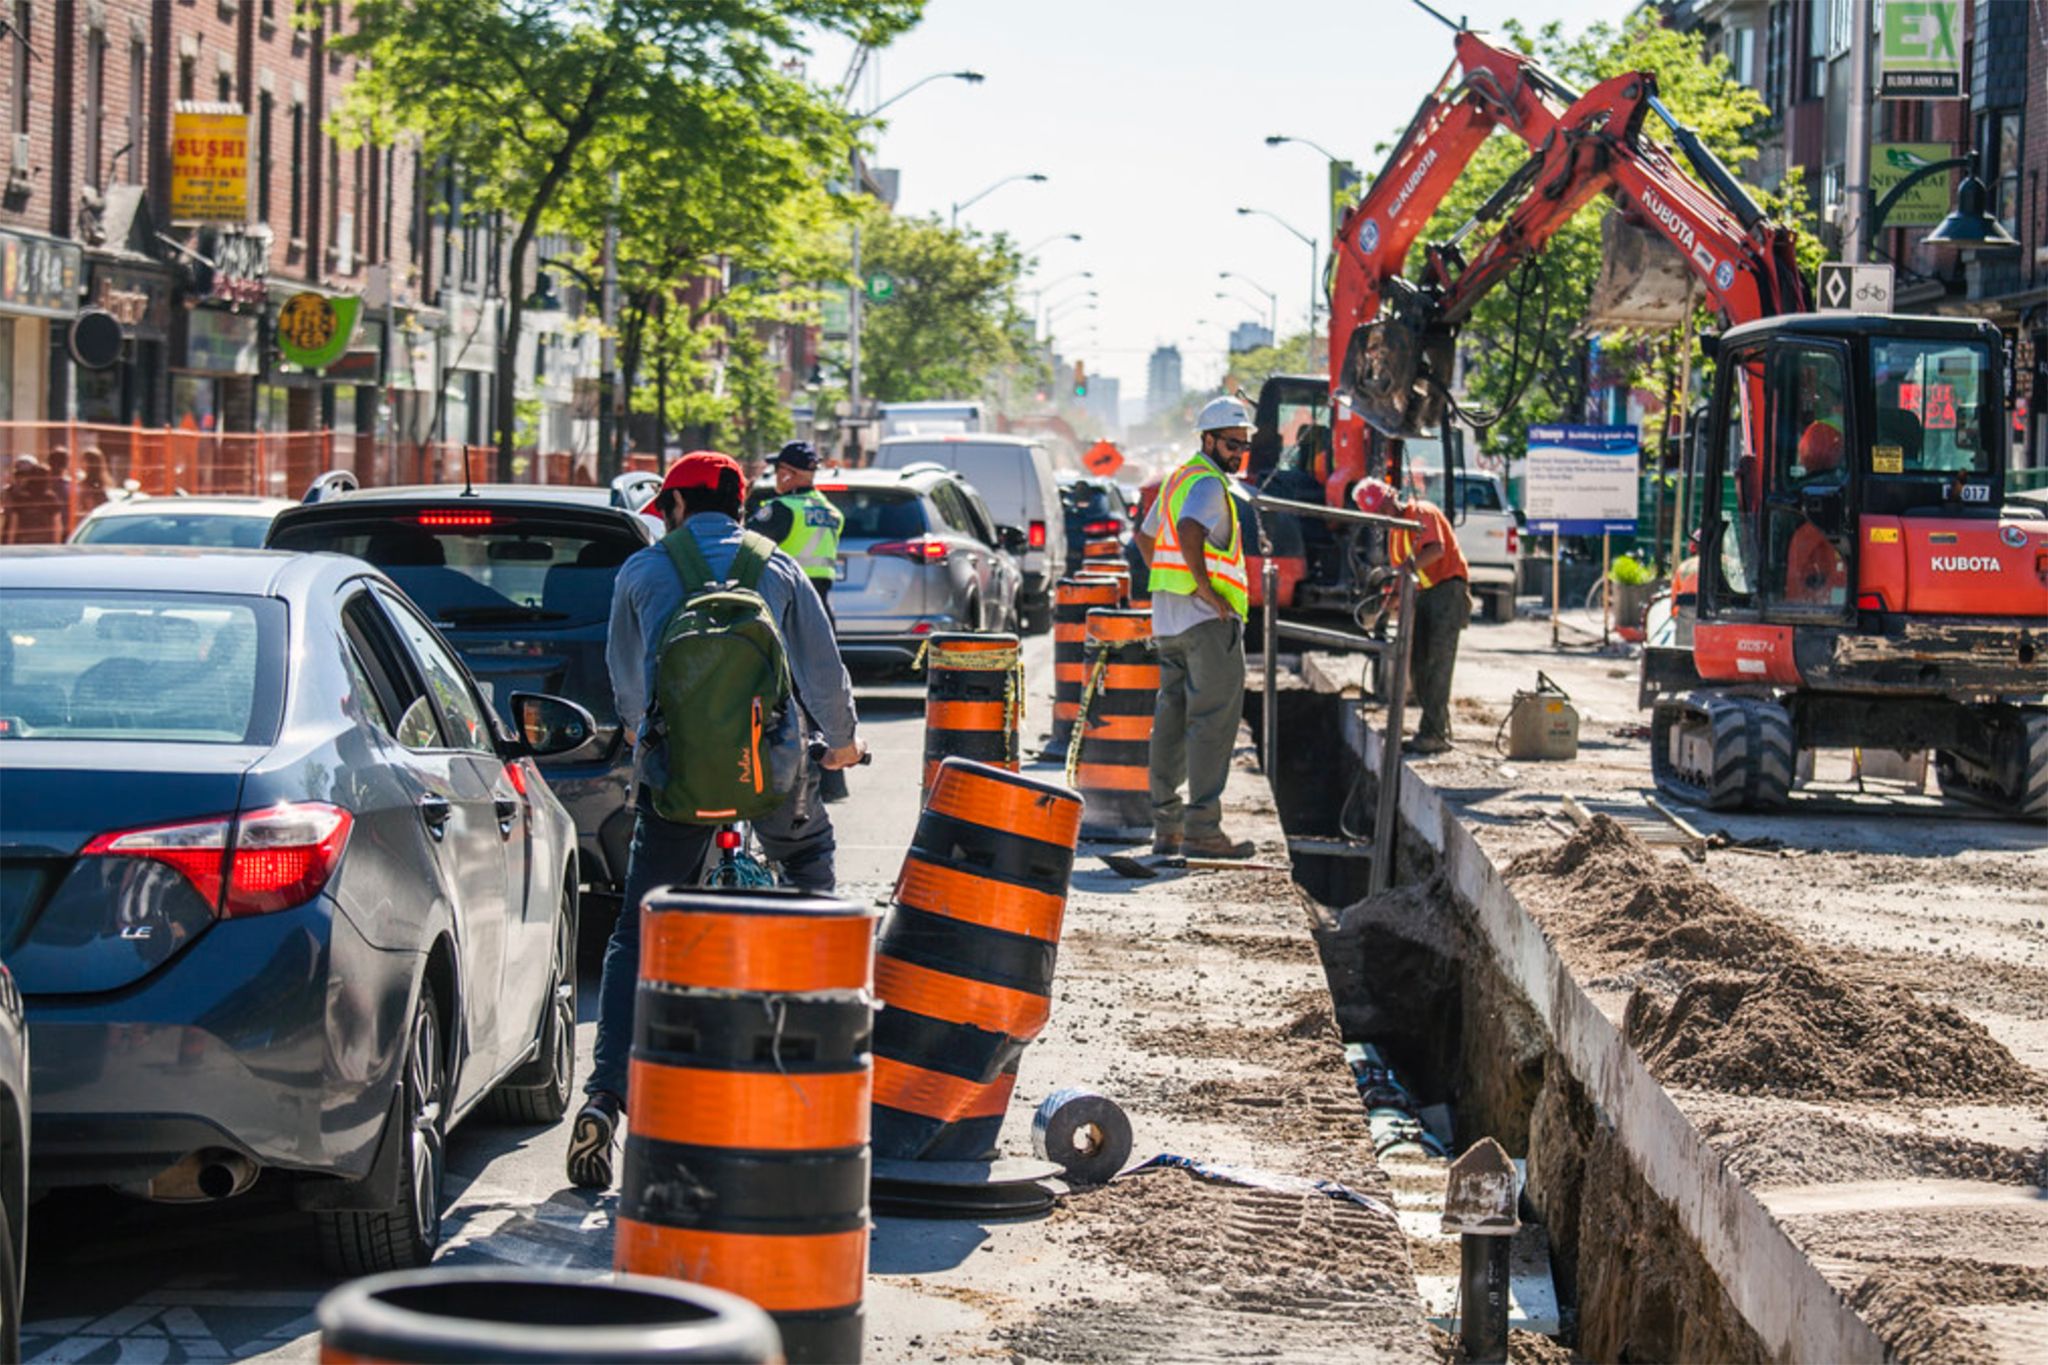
[(813, 539), (1170, 571)]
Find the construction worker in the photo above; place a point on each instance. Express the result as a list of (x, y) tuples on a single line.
[(805, 524), (1814, 572), (1194, 549), (1443, 602)]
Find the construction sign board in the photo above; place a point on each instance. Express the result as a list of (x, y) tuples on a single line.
[(1921, 54), (1581, 481), (209, 166), (1103, 458)]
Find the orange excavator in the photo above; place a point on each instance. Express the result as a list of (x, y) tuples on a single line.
[(1873, 587)]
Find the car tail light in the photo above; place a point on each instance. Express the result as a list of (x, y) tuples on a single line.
[(921, 628), (1870, 601), (1102, 528), (1034, 535), (281, 856), (925, 549), (456, 519), (1514, 541)]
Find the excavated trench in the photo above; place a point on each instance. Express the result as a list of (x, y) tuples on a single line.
[(1413, 975)]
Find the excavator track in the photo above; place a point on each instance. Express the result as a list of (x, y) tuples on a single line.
[(1723, 752), (2013, 778)]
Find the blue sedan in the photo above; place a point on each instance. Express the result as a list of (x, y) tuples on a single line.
[(279, 891)]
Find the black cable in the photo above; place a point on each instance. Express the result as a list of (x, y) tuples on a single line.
[(1483, 421)]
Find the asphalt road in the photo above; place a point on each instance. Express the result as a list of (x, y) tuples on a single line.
[(116, 1279)]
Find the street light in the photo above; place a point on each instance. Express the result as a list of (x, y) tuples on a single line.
[(1315, 260), (853, 305), (1275, 139), (1046, 241), (1272, 299), (1086, 303), (1240, 300), (968, 203)]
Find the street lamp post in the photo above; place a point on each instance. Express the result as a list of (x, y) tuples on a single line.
[(969, 202), (1315, 261), (1038, 295), (1272, 300), (860, 284), (1047, 241)]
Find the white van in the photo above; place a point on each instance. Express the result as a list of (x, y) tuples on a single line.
[(931, 417), (1014, 476)]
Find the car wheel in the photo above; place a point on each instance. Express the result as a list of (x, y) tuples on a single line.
[(10, 1299), (539, 1092), (971, 614), (1038, 618), (406, 1234)]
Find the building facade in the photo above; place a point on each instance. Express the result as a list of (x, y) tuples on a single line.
[(1162, 380)]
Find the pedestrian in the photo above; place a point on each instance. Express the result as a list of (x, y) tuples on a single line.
[(805, 524), (1443, 602), (700, 498), (1194, 550), (60, 492), (92, 478)]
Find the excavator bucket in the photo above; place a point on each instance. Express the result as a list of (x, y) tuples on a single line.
[(1388, 370), (1643, 281)]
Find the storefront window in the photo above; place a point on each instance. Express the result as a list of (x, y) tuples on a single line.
[(193, 402)]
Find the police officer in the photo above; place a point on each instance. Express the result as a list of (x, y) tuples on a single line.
[(800, 519), (806, 526)]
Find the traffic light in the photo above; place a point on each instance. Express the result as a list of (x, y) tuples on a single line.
[(1080, 380)]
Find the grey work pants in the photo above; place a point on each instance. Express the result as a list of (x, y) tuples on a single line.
[(1194, 726), (1441, 614)]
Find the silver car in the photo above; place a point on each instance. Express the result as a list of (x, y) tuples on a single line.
[(920, 553)]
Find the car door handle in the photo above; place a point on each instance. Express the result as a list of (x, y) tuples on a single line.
[(436, 810), (508, 813)]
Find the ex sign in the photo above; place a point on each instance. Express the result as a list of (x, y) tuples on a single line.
[(1921, 55), (1853, 288)]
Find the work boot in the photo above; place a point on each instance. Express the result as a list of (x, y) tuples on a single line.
[(1217, 845), (1424, 745), (590, 1142), (1166, 846)]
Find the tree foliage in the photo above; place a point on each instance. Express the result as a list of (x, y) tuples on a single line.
[(1550, 366), (952, 325)]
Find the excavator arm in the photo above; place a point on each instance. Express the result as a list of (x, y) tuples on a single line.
[(1392, 339)]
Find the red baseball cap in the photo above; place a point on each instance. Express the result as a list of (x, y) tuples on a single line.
[(701, 469)]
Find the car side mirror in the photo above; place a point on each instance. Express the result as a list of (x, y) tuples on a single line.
[(1013, 539), (550, 725)]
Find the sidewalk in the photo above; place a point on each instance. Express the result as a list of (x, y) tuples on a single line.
[(1197, 1002)]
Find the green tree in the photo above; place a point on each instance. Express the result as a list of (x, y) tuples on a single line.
[(953, 323), (1549, 367), (513, 93)]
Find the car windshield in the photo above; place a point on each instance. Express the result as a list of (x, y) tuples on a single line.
[(1932, 405), (211, 530), (513, 574), (877, 513), (133, 666)]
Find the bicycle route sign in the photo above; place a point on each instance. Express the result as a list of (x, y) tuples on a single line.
[(1844, 288)]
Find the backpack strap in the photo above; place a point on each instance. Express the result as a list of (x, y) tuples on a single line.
[(755, 550), (688, 557)]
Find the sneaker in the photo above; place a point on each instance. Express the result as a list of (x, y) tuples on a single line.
[(1166, 845), (590, 1142), (1217, 845)]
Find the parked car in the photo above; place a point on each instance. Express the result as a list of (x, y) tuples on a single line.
[(14, 1108), (219, 523), (1014, 475), (282, 894), (1490, 535), (1097, 520), (519, 578), (920, 552)]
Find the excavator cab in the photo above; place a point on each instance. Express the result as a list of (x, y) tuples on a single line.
[(1863, 582)]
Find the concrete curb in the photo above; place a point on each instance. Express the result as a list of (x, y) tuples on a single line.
[(1777, 1289)]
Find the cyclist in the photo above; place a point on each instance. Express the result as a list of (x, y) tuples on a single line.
[(702, 496)]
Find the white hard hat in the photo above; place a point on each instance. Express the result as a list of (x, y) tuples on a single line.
[(1219, 413)]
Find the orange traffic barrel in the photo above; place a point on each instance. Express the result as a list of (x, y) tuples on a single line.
[(1071, 600), (1121, 572), (443, 1316), (974, 697), (964, 967), (1110, 759), (747, 1106), (1102, 547)]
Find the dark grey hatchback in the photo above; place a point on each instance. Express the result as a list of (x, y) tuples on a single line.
[(278, 892)]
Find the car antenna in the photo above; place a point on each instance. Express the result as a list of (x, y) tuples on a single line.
[(468, 488)]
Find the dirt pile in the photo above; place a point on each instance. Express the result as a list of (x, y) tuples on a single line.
[(1725, 1000)]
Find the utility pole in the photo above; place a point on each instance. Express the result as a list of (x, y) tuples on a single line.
[(611, 434), (853, 310), (1856, 190)]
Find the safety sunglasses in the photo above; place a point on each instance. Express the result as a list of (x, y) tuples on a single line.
[(1233, 445)]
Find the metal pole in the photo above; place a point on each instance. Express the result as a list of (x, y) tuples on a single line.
[(1856, 192), (853, 310), (1556, 581), (1269, 621), (611, 433), (1606, 581), (1390, 745), (1684, 431), (1483, 1296)]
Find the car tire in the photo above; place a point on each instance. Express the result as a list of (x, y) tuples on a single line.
[(10, 1299), (971, 614), (540, 1091), (1037, 618), (405, 1235)]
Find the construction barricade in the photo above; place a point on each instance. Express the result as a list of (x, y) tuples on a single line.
[(974, 697), (964, 967), (1071, 600), (746, 1160), (1110, 756)]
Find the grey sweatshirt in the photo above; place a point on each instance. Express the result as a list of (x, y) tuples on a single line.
[(648, 592)]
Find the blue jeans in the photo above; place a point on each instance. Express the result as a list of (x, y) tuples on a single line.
[(799, 836)]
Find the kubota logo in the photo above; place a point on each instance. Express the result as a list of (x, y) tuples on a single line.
[(1414, 179), (1686, 235), (1966, 564)]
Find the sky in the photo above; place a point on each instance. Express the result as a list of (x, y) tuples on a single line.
[(1149, 121)]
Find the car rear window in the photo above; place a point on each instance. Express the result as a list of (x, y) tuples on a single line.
[(213, 530), (513, 573), (189, 668), (1092, 500), (878, 513)]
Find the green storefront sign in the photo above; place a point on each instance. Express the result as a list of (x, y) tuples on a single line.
[(1921, 56), (1927, 202), (314, 330)]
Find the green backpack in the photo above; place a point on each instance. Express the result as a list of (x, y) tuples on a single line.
[(730, 745)]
